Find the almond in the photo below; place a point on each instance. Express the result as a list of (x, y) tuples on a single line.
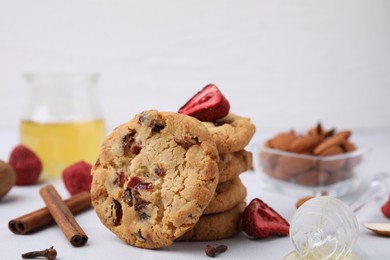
[(379, 228), (282, 141), (304, 144), (268, 160), (334, 177), (348, 147), (353, 161), (336, 139), (268, 144), (294, 165), (302, 200), (278, 173), (331, 164), (312, 178), (316, 130)]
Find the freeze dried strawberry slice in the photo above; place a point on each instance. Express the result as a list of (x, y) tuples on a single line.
[(209, 104), (386, 208), (27, 165), (259, 220)]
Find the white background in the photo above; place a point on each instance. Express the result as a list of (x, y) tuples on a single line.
[(285, 64)]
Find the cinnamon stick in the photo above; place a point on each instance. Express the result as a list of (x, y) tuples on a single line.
[(63, 216), (41, 218)]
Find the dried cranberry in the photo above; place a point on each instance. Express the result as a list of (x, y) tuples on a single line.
[(156, 126), (140, 205), (127, 141), (136, 149), (160, 171), (186, 142), (136, 183), (118, 213), (120, 179), (144, 216), (127, 197)]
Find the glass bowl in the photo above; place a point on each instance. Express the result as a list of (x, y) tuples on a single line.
[(302, 175)]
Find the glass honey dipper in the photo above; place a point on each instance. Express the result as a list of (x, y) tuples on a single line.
[(327, 228)]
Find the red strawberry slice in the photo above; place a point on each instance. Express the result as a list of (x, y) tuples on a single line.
[(26, 164), (209, 104), (386, 208), (259, 220)]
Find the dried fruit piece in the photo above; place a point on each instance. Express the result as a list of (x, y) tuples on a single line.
[(7, 178), (120, 179), (259, 220), (26, 164), (127, 197), (137, 183), (386, 208), (379, 228), (209, 104), (136, 149), (156, 126), (127, 141), (160, 171), (186, 141), (77, 177), (116, 213)]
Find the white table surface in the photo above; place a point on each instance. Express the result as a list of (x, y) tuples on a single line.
[(102, 244)]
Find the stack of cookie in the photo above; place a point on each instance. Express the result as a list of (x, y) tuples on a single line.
[(221, 218), (163, 176)]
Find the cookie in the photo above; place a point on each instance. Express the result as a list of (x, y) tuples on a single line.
[(216, 226), (230, 165), (227, 195), (231, 133), (154, 177)]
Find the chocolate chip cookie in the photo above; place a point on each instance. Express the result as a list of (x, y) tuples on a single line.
[(154, 177), (231, 133)]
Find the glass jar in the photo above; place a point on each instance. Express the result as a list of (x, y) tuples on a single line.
[(62, 122)]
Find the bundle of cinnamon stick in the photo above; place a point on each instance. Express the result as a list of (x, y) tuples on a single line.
[(56, 210)]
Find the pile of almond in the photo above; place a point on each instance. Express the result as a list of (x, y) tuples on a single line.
[(307, 161)]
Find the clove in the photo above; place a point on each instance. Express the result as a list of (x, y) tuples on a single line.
[(49, 254), (211, 251)]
